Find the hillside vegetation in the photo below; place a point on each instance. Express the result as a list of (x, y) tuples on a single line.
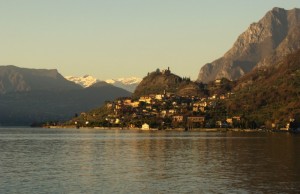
[(159, 82), (269, 94)]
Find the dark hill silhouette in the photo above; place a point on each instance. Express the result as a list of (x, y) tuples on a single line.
[(16, 79)]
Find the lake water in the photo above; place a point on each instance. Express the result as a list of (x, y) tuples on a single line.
[(34, 160)]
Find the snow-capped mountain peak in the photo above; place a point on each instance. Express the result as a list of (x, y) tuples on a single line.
[(110, 81), (84, 81), (128, 84), (125, 81)]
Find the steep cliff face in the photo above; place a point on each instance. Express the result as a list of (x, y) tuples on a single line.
[(277, 34)]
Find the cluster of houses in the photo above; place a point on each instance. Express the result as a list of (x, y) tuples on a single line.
[(162, 111)]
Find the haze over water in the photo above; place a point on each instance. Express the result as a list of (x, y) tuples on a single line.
[(102, 161)]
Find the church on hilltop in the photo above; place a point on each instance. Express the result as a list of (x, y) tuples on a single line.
[(163, 72), (166, 71)]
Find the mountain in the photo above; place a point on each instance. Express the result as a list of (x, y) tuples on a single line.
[(276, 35), (84, 81), (32, 96), (159, 82), (16, 79), (128, 84), (271, 93)]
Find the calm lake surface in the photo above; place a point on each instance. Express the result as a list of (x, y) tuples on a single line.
[(34, 160)]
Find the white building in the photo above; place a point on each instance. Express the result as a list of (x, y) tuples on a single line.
[(145, 126)]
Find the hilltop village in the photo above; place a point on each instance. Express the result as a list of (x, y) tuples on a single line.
[(166, 101), (165, 110)]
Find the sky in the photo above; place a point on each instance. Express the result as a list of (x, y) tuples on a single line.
[(124, 38)]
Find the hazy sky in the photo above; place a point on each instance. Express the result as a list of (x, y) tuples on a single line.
[(122, 38)]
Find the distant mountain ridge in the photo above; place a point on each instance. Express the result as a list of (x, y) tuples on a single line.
[(16, 79), (128, 84), (276, 35)]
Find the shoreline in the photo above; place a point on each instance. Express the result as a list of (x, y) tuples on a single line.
[(170, 129)]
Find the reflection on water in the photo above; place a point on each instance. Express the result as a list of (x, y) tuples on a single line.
[(97, 161)]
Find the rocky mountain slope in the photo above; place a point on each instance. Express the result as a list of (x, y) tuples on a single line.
[(277, 34), (31, 95), (16, 79)]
